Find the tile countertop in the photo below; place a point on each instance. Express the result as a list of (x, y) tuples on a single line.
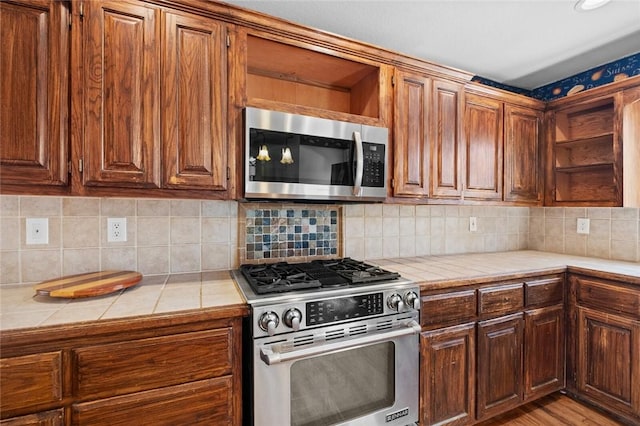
[(158, 294), (437, 272), (162, 294)]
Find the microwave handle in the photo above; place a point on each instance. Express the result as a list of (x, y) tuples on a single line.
[(271, 357), (357, 181)]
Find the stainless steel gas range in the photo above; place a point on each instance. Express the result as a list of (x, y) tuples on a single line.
[(330, 342)]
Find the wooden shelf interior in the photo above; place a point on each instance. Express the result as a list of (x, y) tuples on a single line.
[(292, 75), (586, 121), (585, 152), (594, 183)]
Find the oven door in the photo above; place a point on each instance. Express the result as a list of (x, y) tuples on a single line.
[(341, 378)]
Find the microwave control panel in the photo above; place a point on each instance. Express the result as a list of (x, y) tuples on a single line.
[(373, 173)]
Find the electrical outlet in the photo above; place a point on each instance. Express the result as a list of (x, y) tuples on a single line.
[(37, 230), (116, 229), (473, 224), (583, 226)]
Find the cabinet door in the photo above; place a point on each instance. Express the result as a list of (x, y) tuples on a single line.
[(34, 65), (194, 89), (448, 111), (447, 374), (543, 351), (499, 365), (608, 366), (521, 154), (483, 148), (45, 418), (411, 126), (122, 94)]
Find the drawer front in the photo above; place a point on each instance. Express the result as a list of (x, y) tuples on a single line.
[(47, 418), (206, 402), (30, 380), (448, 308), (544, 292), (121, 368), (608, 297), (500, 300)]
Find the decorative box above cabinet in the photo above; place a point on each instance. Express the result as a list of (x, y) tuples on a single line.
[(34, 118)]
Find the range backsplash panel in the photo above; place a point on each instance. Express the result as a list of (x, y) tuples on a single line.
[(278, 232)]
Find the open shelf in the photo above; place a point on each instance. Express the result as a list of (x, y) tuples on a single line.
[(585, 152), (283, 74), (588, 184), (585, 122)]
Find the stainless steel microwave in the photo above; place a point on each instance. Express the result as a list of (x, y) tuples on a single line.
[(298, 157)]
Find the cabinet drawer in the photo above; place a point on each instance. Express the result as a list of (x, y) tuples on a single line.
[(608, 297), (500, 300), (544, 292), (206, 402), (121, 368), (30, 380), (448, 308), (47, 418)]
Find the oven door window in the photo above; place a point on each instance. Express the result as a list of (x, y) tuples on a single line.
[(293, 158), (344, 385)]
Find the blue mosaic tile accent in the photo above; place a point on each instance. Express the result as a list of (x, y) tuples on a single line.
[(290, 232), (620, 69)]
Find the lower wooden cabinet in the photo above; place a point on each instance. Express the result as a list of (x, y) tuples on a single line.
[(448, 371), (174, 370), (500, 349)]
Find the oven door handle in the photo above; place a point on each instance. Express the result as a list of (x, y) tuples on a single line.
[(271, 357), (357, 181)]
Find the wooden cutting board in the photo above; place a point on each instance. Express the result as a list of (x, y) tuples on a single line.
[(88, 284)]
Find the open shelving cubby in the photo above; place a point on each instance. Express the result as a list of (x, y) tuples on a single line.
[(285, 76), (585, 153)]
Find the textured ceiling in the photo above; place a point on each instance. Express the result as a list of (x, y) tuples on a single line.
[(523, 43)]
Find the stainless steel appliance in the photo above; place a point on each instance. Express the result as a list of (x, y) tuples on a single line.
[(292, 156), (330, 342)]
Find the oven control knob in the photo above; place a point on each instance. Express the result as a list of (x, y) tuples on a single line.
[(412, 300), (268, 322), (292, 318), (394, 302)]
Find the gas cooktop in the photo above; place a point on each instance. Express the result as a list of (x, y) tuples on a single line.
[(327, 273)]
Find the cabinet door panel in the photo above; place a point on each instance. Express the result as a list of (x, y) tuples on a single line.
[(411, 121), (447, 375), (34, 63), (448, 109), (483, 148), (543, 352), (194, 111), (46, 418), (122, 51), (521, 154), (499, 365), (608, 367)]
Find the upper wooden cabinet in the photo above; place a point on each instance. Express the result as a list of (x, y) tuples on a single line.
[(412, 111), (155, 98), (121, 141), (34, 116), (194, 103), (427, 132), (589, 138), (522, 143), (483, 148)]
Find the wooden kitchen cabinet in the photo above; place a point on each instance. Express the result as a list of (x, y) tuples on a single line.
[(194, 102), (604, 359), (588, 139), (175, 369), (427, 134), (34, 117), (483, 148), (522, 164)]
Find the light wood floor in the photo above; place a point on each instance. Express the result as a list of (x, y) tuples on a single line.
[(553, 410)]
